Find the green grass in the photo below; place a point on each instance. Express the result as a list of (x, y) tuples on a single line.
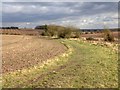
[(88, 66)]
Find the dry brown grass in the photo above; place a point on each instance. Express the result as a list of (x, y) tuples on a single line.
[(99, 35)]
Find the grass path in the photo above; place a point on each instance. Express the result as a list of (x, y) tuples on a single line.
[(88, 66)]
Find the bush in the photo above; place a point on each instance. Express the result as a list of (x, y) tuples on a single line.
[(47, 33), (76, 34), (86, 32), (91, 32), (64, 33), (61, 32), (51, 30), (43, 34), (90, 38), (108, 35)]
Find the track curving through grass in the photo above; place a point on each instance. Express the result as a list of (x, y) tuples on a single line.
[(88, 66)]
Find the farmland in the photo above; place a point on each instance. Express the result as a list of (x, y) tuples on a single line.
[(100, 35), (20, 31), (60, 44), (35, 61), (37, 32), (25, 51)]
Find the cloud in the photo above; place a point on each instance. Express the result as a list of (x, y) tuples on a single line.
[(59, 1), (82, 14)]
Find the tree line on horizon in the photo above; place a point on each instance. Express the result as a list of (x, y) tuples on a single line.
[(9, 27), (67, 31)]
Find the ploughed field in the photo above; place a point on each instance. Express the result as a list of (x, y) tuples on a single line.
[(19, 51), (20, 31)]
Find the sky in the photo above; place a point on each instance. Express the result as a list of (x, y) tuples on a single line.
[(84, 15)]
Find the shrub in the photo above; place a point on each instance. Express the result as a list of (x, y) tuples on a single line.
[(50, 33), (86, 32), (108, 35), (76, 34), (64, 33), (91, 32), (43, 34), (61, 32), (15, 34), (51, 30), (90, 38)]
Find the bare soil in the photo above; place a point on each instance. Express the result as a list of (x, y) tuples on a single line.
[(20, 31), (20, 51)]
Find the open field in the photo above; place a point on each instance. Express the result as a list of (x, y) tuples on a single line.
[(81, 65), (100, 35), (20, 31), (24, 51)]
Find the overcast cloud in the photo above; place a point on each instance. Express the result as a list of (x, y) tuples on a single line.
[(60, 0), (81, 14)]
